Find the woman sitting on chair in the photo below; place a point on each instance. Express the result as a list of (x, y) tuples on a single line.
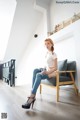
[(41, 74)]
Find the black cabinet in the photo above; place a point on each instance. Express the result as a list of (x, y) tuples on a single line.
[(9, 72), (1, 65)]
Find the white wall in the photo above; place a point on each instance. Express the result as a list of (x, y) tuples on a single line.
[(34, 53), (61, 12), (66, 49), (33, 56), (67, 45)]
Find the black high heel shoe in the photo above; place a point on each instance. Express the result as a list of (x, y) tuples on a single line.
[(28, 104)]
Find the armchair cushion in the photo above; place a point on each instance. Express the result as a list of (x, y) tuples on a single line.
[(52, 81)]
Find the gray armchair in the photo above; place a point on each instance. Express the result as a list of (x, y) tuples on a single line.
[(65, 75)]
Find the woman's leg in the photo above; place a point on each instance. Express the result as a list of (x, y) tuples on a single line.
[(39, 77), (34, 74)]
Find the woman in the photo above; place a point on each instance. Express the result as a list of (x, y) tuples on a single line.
[(41, 74)]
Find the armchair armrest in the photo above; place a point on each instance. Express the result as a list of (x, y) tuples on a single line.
[(69, 71), (71, 75)]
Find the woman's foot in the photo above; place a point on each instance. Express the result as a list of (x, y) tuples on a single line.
[(29, 102)]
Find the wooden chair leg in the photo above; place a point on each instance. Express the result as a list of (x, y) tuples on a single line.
[(57, 93), (76, 90), (40, 89), (75, 87), (57, 85)]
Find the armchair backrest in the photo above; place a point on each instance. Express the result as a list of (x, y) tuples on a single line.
[(66, 65)]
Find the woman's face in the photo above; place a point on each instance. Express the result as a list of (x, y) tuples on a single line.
[(48, 45)]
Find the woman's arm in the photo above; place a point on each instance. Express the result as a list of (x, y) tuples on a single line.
[(52, 69)]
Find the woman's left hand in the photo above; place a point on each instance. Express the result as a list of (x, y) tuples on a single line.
[(44, 72)]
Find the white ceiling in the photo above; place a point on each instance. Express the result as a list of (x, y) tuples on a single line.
[(7, 10)]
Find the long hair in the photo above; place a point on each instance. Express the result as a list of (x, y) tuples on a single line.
[(50, 40)]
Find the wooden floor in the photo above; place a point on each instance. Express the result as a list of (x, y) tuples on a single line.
[(45, 107)]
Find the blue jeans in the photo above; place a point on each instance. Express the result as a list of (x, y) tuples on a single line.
[(37, 77)]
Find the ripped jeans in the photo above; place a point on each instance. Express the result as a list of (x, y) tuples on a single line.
[(37, 77)]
